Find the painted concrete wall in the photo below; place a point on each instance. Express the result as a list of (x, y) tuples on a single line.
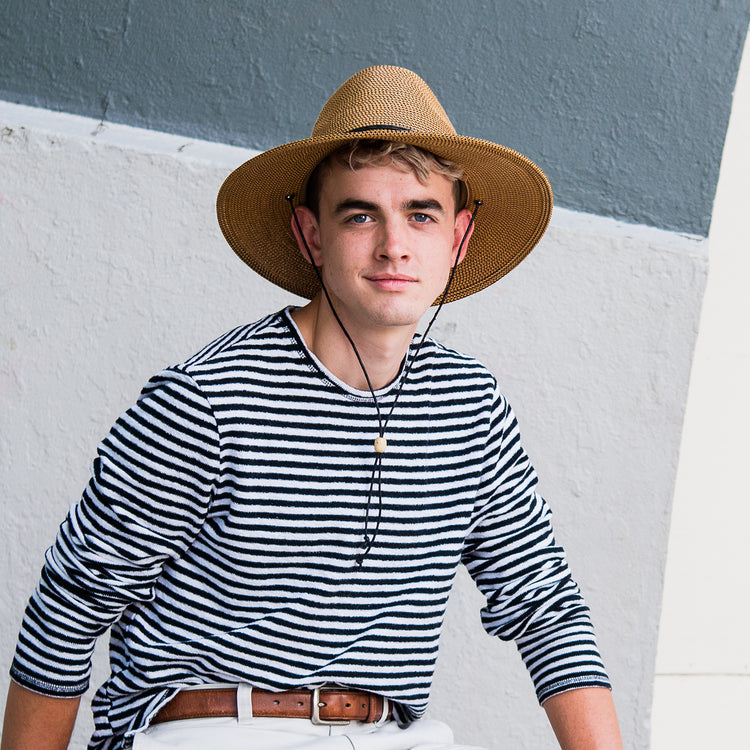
[(624, 104), (114, 266), (702, 688)]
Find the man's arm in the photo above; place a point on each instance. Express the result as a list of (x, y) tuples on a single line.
[(37, 722), (583, 719), (142, 507)]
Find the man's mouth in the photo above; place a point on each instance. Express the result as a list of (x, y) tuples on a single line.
[(391, 281)]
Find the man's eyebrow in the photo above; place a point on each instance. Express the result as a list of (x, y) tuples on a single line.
[(429, 204), (354, 204)]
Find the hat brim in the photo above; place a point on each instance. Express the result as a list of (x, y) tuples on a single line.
[(516, 197)]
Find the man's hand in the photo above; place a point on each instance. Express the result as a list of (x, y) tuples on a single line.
[(37, 722), (584, 719)]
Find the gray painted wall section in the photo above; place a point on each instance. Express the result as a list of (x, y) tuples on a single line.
[(625, 105)]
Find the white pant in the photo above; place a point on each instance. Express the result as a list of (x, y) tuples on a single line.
[(294, 734)]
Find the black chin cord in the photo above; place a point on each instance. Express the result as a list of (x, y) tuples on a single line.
[(380, 442)]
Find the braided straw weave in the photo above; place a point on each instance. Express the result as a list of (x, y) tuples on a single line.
[(517, 200)]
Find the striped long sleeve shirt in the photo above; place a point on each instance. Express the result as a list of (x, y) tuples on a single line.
[(220, 534)]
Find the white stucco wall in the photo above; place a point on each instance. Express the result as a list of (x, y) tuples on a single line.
[(113, 266), (702, 687)]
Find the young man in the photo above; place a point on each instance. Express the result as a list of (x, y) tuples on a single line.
[(272, 531)]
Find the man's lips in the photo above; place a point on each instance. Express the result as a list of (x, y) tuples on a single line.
[(391, 281)]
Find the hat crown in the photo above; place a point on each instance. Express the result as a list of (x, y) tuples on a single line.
[(383, 97)]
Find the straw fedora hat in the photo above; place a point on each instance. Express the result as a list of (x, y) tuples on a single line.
[(394, 104)]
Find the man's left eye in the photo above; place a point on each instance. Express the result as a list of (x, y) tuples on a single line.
[(421, 218)]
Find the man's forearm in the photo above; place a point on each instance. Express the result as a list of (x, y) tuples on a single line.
[(37, 722), (584, 719)]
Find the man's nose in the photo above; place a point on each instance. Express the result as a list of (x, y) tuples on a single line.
[(393, 242)]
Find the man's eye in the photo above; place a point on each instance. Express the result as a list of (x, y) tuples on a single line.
[(359, 218), (421, 218)]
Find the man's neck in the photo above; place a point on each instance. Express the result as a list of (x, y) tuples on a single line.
[(382, 350)]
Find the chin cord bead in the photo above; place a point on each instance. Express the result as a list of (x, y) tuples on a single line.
[(380, 444)]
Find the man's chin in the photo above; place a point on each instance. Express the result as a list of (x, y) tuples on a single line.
[(397, 311), (398, 316)]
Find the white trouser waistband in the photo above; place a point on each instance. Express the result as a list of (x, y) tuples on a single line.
[(294, 734)]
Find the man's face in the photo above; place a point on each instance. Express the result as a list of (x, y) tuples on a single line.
[(385, 243)]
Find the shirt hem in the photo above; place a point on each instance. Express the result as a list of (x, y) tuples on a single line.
[(44, 687), (575, 683)]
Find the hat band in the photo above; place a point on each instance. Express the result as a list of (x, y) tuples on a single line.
[(365, 128)]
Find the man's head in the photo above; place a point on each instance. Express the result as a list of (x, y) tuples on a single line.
[(385, 103), (383, 233)]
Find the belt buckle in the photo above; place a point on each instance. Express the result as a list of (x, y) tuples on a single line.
[(315, 718)]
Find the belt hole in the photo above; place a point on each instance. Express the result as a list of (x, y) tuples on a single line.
[(348, 705), (276, 703), (300, 703)]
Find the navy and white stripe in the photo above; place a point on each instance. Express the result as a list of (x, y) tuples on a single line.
[(219, 532)]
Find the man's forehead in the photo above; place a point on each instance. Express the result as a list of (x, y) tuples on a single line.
[(376, 179)]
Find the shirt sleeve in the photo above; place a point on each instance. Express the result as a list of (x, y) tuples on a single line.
[(150, 489), (512, 555)]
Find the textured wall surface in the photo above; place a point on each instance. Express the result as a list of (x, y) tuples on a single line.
[(703, 658), (115, 267), (624, 104)]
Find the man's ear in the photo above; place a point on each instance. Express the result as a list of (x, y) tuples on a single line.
[(311, 233), (463, 220)]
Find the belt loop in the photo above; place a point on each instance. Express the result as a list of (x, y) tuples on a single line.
[(386, 710), (244, 703)]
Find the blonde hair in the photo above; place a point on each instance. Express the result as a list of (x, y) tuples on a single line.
[(355, 155)]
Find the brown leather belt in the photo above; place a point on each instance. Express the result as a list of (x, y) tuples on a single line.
[(321, 706)]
